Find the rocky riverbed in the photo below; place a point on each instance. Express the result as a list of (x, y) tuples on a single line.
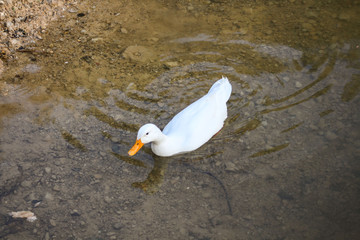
[(285, 165)]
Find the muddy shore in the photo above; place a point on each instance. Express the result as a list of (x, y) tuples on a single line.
[(23, 23)]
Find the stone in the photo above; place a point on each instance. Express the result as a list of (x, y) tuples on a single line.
[(115, 139), (242, 31), (206, 194), (75, 213), (344, 16), (286, 79), (131, 86), (160, 104), (107, 199), (53, 222), (1, 67), (98, 176), (9, 25), (117, 226), (98, 39), (171, 64), (49, 196), (111, 233), (230, 166), (26, 184), (47, 236), (330, 135), (56, 188), (138, 54)]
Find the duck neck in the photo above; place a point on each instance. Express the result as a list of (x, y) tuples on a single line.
[(161, 137)]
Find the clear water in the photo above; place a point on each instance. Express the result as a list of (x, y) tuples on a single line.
[(285, 166)]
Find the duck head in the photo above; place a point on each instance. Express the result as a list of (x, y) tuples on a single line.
[(146, 134)]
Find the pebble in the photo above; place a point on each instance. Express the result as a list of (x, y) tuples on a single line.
[(115, 139), (206, 194), (107, 199), (117, 226), (16, 43), (171, 64), (47, 170), (344, 16), (26, 183), (98, 39), (102, 80), (251, 104), (313, 127), (131, 86), (306, 26), (137, 53), (330, 135), (153, 39), (9, 25), (53, 222), (230, 166), (72, 10), (111, 233), (242, 31), (298, 84), (33, 196), (286, 79), (259, 102), (190, 8), (47, 236), (268, 32), (124, 30), (61, 161), (75, 213), (56, 188), (49, 196), (311, 14), (98, 176)]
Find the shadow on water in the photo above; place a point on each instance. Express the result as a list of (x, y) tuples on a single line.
[(284, 165)]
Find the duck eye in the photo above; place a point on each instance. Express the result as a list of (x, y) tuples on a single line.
[(147, 133)]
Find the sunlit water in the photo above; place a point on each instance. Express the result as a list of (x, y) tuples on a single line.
[(285, 165)]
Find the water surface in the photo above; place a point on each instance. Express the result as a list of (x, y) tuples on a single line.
[(285, 166)]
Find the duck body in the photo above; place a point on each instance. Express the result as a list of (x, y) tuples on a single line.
[(190, 128)]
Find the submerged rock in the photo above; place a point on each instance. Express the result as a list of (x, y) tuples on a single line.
[(138, 53), (31, 68)]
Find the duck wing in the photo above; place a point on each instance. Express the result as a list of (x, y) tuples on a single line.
[(197, 123)]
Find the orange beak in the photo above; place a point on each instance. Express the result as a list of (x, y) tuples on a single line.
[(138, 144)]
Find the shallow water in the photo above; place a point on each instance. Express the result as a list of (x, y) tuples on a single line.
[(285, 166)]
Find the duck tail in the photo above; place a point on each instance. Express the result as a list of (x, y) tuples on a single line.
[(222, 88)]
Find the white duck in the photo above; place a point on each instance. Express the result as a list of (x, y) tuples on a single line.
[(190, 128)]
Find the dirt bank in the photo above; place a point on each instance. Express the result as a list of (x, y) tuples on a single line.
[(23, 22)]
